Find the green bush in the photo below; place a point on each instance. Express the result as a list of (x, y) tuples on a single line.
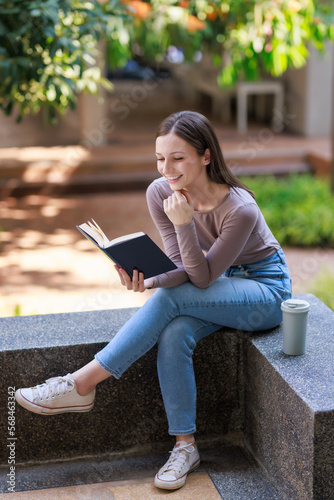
[(323, 287), (299, 209), (48, 52)]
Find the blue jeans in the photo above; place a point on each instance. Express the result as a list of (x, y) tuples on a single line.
[(246, 298)]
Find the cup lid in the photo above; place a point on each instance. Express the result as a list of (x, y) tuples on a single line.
[(295, 306)]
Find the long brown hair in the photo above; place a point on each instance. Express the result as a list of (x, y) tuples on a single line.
[(197, 130)]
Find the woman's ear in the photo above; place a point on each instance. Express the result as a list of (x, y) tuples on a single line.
[(207, 156)]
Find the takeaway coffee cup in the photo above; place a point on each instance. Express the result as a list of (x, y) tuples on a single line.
[(295, 313)]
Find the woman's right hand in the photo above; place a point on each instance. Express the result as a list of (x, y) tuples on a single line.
[(137, 284)]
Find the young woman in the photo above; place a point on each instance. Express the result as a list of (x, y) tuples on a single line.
[(230, 272)]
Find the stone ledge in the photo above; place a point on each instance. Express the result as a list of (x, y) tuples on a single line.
[(283, 405), (310, 376), (289, 403), (128, 416)]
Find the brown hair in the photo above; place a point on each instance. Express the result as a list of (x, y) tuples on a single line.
[(197, 130)]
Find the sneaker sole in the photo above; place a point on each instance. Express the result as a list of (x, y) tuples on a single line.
[(44, 410), (178, 483)]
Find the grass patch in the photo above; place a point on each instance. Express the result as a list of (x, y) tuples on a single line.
[(323, 286), (299, 209), (17, 310)]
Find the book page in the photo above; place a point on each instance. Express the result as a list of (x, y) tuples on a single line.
[(95, 232), (127, 237)]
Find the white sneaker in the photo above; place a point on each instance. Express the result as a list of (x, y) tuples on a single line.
[(56, 395), (184, 459)]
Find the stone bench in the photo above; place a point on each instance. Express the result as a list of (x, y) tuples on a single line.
[(281, 407)]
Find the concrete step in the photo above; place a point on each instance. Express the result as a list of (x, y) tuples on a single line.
[(228, 472), (77, 170)]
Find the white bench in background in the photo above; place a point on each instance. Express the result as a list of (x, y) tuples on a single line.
[(204, 82), (244, 89)]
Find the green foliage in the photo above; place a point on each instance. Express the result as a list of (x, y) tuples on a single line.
[(245, 38), (48, 52), (152, 27), (269, 36), (323, 287), (299, 209), (48, 47)]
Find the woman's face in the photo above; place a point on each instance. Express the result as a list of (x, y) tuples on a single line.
[(179, 162)]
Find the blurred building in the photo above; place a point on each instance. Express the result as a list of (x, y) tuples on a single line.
[(308, 99)]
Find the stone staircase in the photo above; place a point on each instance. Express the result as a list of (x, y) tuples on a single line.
[(126, 166), (265, 426)]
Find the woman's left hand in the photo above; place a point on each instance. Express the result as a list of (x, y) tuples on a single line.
[(179, 208), (137, 283)]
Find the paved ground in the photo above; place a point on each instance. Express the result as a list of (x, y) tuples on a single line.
[(198, 487), (46, 266)]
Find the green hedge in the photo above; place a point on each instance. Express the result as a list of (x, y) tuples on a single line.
[(323, 286), (299, 209)]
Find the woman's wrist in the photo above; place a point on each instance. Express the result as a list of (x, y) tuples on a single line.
[(184, 223), (149, 283)]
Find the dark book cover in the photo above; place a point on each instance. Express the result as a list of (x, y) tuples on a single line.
[(137, 253), (140, 253)]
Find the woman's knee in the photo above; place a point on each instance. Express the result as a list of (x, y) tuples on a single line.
[(178, 335), (163, 298)]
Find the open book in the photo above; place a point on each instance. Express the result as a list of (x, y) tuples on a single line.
[(132, 251)]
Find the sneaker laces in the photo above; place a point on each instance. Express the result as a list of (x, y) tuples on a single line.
[(178, 458), (53, 387)]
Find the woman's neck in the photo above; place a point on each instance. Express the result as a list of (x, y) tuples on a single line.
[(208, 197)]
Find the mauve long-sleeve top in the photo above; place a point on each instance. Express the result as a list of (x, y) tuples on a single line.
[(233, 233)]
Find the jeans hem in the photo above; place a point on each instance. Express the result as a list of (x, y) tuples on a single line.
[(182, 433), (105, 367)]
